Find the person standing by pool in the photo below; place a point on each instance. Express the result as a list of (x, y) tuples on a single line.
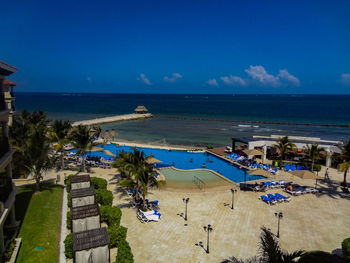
[(326, 176)]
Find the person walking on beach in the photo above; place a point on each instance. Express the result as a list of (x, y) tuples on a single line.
[(326, 177)]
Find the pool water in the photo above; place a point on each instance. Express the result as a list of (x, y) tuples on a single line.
[(185, 178), (188, 160)]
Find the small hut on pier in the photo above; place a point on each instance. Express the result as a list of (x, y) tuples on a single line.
[(140, 110), (80, 181), (85, 217), (91, 246), (82, 196)]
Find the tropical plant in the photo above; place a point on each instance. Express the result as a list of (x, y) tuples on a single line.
[(59, 136), (82, 139), (29, 136), (345, 158), (138, 173), (313, 150), (283, 146), (269, 251)]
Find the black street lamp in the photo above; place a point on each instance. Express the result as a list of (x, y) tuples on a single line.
[(186, 200), (208, 229), (279, 216), (233, 196)]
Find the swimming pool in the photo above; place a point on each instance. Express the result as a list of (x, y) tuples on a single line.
[(188, 160)]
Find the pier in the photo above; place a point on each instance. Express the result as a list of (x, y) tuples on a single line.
[(117, 118)]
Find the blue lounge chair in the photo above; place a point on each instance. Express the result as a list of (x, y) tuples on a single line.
[(267, 200), (275, 198), (274, 171), (284, 198), (293, 167), (299, 168), (287, 167)]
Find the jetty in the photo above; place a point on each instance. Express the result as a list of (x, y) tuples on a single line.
[(139, 113), (117, 118)]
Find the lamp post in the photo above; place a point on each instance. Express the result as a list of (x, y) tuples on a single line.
[(186, 200), (208, 229), (279, 216), (233, 196)]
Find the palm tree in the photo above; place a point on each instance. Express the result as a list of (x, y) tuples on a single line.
[(81, 139), (138, 174), (345, 158), (38, 153), (313, 151), (269, 251), (283, 146), (59, 135)]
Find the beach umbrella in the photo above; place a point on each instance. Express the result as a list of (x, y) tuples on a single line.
[(305, 174), (109, 153), (152, 160), (253, 152), (259, 172)]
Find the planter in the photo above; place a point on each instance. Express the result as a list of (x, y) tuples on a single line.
[(15, 251)]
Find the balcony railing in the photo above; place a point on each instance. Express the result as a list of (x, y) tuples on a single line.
[(6, 188)]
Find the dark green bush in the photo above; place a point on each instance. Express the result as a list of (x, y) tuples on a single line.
[(320, 257), (116, 234), (345, 246), (104, 197), (210, 147), (68, 246), (68, 200), (9, 251), (67, 182), (124, 253), (317, 167), (98, 183), (111, 215), (69, 223)]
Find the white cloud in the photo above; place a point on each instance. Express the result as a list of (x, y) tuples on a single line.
[(233, 81), (284, 75), (175, 76), (212, 82), (144, 79), (345, 79), (259, 74)]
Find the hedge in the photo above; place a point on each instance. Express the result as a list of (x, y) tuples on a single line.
[(111, 215), (98, 183), (345, 245), (69, 222), (68, 246), (124, 253), (67, 182), (104, 197), (117, 234)]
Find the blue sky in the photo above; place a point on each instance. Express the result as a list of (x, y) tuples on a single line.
[(178, 46)]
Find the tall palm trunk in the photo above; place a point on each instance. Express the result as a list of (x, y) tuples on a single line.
[(37, 182), (312, 164), (83, 164), (62, 161)]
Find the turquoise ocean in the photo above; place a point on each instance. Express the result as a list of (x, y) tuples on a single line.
[(201, 119)]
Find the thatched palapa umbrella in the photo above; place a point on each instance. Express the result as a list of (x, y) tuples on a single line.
[(151, 160), (305, 174), (253, 152), (259, 172)]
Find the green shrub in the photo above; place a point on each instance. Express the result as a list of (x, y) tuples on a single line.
[(124, 253), (104, 197), (69, 222), (68, 200), (98, 183), (317, 167), (111, 215), (345, 246), (210, 147), (9, 251), (68, 246), (67, 182), (116, 234), (320, 257)]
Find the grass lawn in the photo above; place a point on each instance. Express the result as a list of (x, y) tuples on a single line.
[(40, 214)]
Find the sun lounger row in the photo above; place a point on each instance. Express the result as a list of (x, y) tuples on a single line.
[(299, 190), (293, 167), (148, 216), (274, 199)]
